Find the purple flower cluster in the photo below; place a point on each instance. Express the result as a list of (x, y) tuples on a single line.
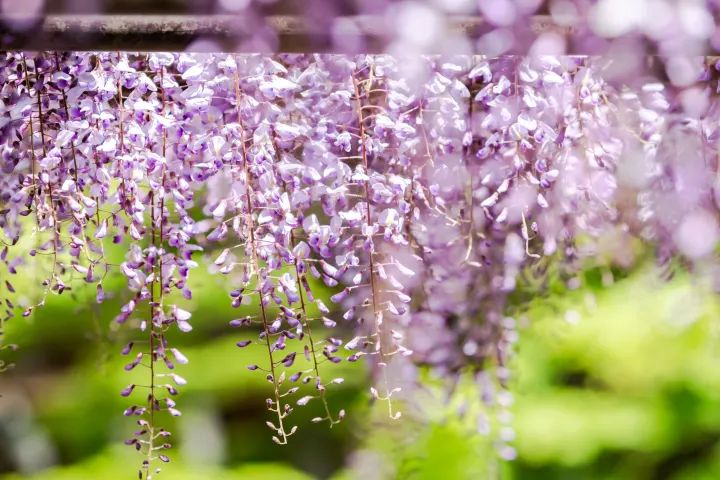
[(420, 200)]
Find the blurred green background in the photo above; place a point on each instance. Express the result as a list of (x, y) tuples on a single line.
[(620, 381)]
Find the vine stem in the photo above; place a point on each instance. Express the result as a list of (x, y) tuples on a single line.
[(377, 313), (303, 309), (151, 341), (67, 118), (121, 120), (282, 440), (32, 139), (56, 233), (33, 160)]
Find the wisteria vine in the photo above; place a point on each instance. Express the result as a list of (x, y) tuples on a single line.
[(420, 201)]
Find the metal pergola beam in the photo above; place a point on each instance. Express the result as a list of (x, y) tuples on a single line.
[(177, 32)]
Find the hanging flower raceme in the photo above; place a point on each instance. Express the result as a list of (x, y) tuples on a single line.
[(422, 202)]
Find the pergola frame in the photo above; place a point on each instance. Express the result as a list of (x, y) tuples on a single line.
[(179, 32)]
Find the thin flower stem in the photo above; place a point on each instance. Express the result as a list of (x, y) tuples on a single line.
[(377, 312), (32, 136), (67, 118), (305, 322), (282, 440), (151, 346)]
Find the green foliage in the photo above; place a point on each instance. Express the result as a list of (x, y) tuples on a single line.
[(617, 382), (107, 463)]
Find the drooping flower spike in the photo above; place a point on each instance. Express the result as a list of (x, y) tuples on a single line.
[(421, 201)]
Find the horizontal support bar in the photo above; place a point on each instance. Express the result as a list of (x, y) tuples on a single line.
[(178, 32)]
